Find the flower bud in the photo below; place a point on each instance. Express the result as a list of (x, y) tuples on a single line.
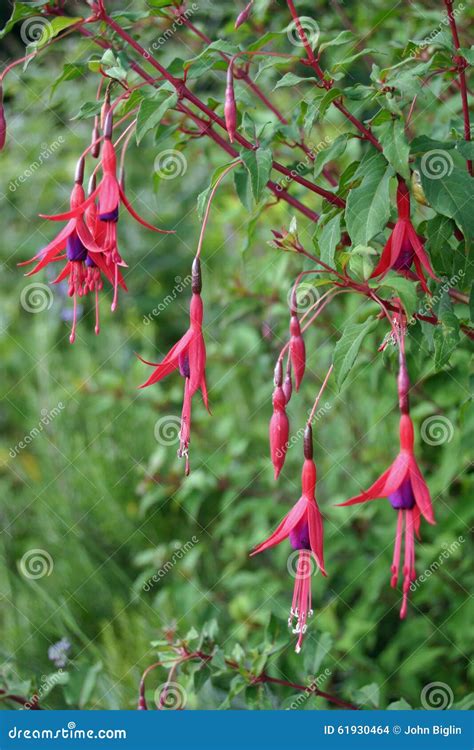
[(244, 15), (95, 150), (297, 350), (288, 386), (230, 109), (279, 431), (3, 122)]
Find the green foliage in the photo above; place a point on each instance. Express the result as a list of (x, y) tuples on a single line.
[(99, 486)]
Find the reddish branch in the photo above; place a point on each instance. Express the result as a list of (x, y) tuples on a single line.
[(31, 703), (461, 65), (253, 680)]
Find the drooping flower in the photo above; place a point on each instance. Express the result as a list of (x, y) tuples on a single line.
[(297, 350), (303, 526), (404, 486), (279, 424), (404, 247), (188, 356), (230, 108)]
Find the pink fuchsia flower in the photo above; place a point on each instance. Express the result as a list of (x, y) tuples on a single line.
[(404, 247), (188, 356), (279, 428), (403, 484), (303, 526)]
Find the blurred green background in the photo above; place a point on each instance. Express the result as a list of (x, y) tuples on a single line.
[(100, 488)]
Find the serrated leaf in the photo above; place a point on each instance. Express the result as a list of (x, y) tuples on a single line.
[(368, 205), (152, 111), (290, 79), (395, 146), (404, 288), (259, 164), (348, 347)]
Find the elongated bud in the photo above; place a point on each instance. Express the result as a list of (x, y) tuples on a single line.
[(196, 280), (95, 150), (230, 109), (403, 200), (105, 110), (244, 15), (109, 125), (308, 442), (403, 383), (297, 350), (92, 184), (3, 122), (142, 706), (279, 431), (288, 386), (79, 176)]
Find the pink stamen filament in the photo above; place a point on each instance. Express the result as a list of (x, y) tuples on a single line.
[(408, 567), (301, 603), (397, 549)]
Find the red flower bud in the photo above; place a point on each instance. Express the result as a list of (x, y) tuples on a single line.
[(244, 16), (297, 350), (3, 122), (279, 430), (230, 109)]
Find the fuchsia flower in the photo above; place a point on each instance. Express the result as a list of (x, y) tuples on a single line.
[(403, 484), (303, 526), (279, 424), (404, 246), (189, 356), (297, 350), (230, 108)]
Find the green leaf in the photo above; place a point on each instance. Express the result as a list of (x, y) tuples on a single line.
[(243, 188), (360, 262), (20, 11), (395, 146), (329, 238), (203, 197), (405, 289), (88, 109), (50, 29), (332, 152), (448, 188), (290, 79), (344, 37), (348, 346), (368, 206), (259, 164), (152, 111), (70, 72), (446, 335)]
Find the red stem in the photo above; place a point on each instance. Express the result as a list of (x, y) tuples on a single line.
[(461, 65)]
